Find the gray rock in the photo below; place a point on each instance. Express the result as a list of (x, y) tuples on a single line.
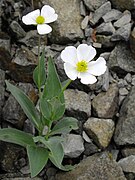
[(12, 111), (123, 33), (122, 83), (78, 103), (2, 90), (73, 145), (122, 5), (90, 149), (112, 15), (24, 57), (133, 81), (93, 5), (121, 60), (106, 79), (32, 38), (84, 22), (97, 45), (100, 130), (128, 164), (98, 166), (105, 104), (101, 11), (123, 91), (132, 41), (29, 127), (105, 29), (5, 41), (128, 78), (128, 151), (105, 41), (9, 155), (64, 30), (82, 9), (125, 133), (125, 19), (17, 30), (88, 32), (105, 55)]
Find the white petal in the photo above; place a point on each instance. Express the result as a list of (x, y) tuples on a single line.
[(70, 71), (97, 67), (69, 55), (87, 78), (49, 14), (85, 52), (44, 29), (30, 18)]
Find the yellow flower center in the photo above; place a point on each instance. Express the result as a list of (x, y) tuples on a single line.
[(82, 66), (40, 20)]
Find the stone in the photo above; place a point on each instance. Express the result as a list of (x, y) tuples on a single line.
[(100, 130), (82, 9), (127, 164), (105, 29), (5, 41), (24, 57), (32, 39), (77, 103), (122, 5), (121, 60), (12, 111), (105, 41), (98, 166), (88, 32), (105, 104), (132, 41), (100, 12), (73, 145), (106, 79), (128, 78), (123, 33), (133, 81), (123, 91), (112, 15), (93, 5), (10, 154), (128, 151), (97, 45), (2, 91), (28, 127), (65, 31), (123, 20), (105, 55), (17, 30), (124, 132), (84, 22), (90, 149)]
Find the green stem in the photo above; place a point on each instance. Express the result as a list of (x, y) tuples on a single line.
[(39, 42), (32, 4), (66, 85)]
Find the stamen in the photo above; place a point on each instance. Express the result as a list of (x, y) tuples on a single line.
[(82, 66), (40, 20)]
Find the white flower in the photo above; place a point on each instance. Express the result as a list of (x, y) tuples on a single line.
[(78, 63), (41, 19)]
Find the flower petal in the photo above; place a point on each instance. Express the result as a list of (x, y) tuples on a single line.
[(97, 67), (70, 71), (87, 78), (30, 18), (49, 14), (85, 52), (43, 29), (69, 55)]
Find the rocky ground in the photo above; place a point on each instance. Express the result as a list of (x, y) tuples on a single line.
[(104, 145)]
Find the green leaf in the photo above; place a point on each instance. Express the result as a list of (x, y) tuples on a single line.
[(52, 109), (57, 153), (53, 86), (54, 145), (65, 84), (38, 157), (65, 125), (39, 74), (26, 104), (16, 136)]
